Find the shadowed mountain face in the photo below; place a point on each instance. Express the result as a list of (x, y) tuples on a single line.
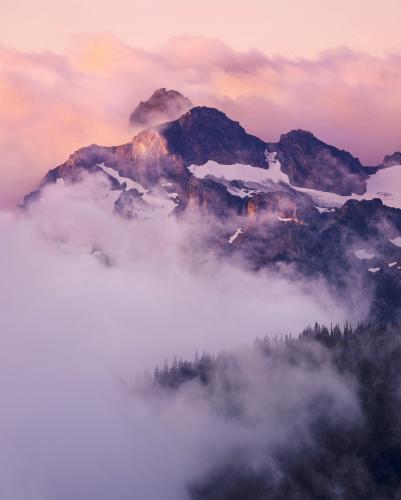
[(205, 134), (253, 195), (163, 105), (311, 163)]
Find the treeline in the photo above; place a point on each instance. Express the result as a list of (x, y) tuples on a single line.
[(343, 342), (344, 458)]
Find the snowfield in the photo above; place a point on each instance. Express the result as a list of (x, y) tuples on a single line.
[(385, 184), (235, 172)]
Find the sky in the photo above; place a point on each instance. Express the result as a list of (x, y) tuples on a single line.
[(288, 27)]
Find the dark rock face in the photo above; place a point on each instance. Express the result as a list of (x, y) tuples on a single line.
[(369, 216), (391, 160), (311, 163), (205, 134), (322, 246), (317, 241), (163, 105)]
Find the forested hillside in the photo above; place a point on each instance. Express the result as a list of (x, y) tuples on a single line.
[(341, 452)]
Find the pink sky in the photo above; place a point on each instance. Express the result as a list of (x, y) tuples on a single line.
[(285, 27), (60, 90)]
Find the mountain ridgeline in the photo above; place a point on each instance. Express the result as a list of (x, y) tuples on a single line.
[(299, 206)]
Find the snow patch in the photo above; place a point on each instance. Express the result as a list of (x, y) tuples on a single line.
[(235, 172), (241, 192), (392, 264), (233, 237), (373, 269), (111, 172), (323, 210), (386, 185), (363, 254), (275, 173), (286, 219), (396, 241)]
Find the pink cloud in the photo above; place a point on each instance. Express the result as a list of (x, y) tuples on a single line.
[(53, 104)]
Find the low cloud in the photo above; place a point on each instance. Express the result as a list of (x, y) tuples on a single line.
[(88, 299)]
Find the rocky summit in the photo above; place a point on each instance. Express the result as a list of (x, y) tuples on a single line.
[(391, 160), (163, 105), (309, 162)]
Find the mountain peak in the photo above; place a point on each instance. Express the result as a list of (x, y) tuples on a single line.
[(299, 132), (205, 133), (205, 111), (391, 160), (163, 105), (208, 117), (300, 136), (311, 163)]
